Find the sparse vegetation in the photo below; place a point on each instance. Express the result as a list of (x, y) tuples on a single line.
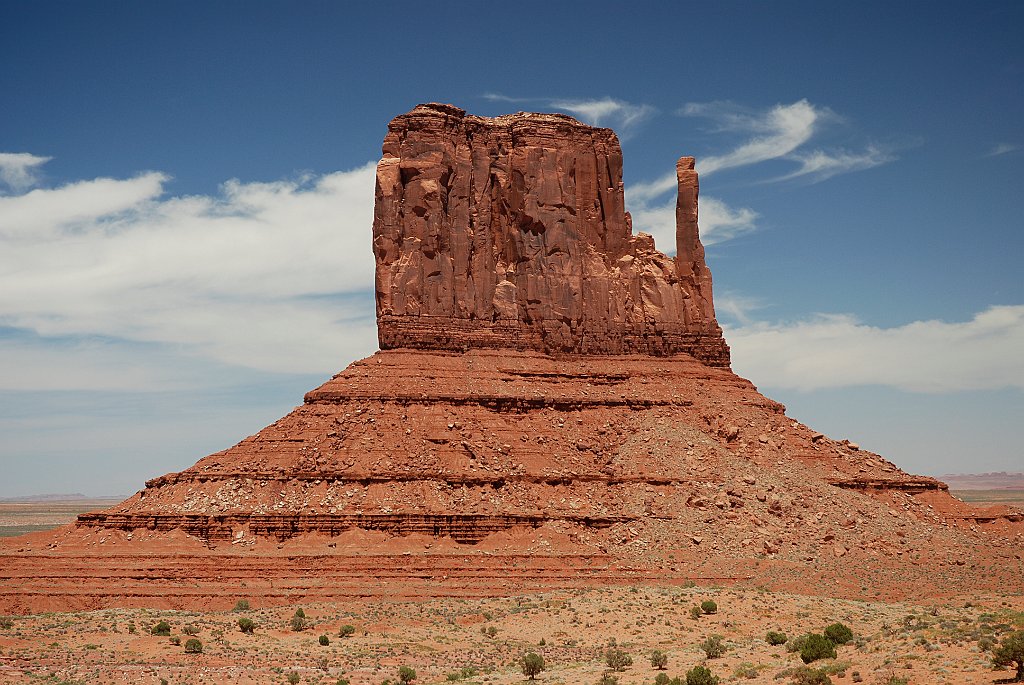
[(246, 625), (241, 605), (659, 660), (695, 612), (406, 674), (193, 646), (191, 629), (805, 675), (816, 647), (775, 638), (532, 664), (713, 646), (298, 622), (163, 629), (1010, 652), (701, 675), (838, 633), (608, 679), (709, 606), (293, 678), (617, 659), (347, 630)]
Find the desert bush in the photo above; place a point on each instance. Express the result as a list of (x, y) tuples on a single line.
[(713, 647), (6, 622), (491, 631), (191, 629), (532, 664), (175, 640), (131, 628), (293, 678), (797, 643), (617, 659), (324, 640), (241, 605), (299, 623), (893, 679), (775, 638), (608, 679), (838, 633), (347, 631), (406, 674), (341, 681), (246, 625), (1010, 652), (659, 660), (708, 606), (805, 675), (193, 646), (695, 612), (700, 675), (817, 647), (300, 613), (662, 679), (746, 670), (163, 628)]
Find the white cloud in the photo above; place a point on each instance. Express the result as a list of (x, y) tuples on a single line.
[(18, 169), (781, 130), (821, 165), (716, 221), (924, 356), (242, 278), (607, 111), (1002, 149)]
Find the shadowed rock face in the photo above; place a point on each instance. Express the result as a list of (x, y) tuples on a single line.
[(512, 233)]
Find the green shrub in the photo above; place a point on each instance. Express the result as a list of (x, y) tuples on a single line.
[(608, 679), (662, 679), (713, 646), (347, 631), (300, 613), (341, 681), (241, 605), (805, 675), (6, 622), (406, 674), (163, 628), (746, 670), (324, 640), (193, 646), (817, 647), (175, 640), (838, 633), (1010, 652), (775, 638), (298, 623), (293, 678), (708, 606), (695, 612), (700, 675), (797, 643), (246, 625), (659, 660), (617, 659), (532, 664), (191, 629), (131, 628)]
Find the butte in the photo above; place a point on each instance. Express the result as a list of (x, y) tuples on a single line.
[(552, 405)]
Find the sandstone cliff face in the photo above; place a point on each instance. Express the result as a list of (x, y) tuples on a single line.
[(512, 233)]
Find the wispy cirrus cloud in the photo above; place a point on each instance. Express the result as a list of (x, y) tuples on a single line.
[(209, 276), (831, 351), (18, 170), (1001, 149), (607, 111)]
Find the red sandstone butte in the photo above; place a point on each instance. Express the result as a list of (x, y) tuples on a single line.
[(552, 406), (512, 232)]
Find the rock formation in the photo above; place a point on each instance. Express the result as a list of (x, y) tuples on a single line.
[(552, 405), (512, 233)]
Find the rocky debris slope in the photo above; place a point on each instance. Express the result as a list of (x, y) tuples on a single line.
[(500, 443), (512, 232)]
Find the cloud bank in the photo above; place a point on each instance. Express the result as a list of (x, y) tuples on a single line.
[(268, 276), (831, 351)]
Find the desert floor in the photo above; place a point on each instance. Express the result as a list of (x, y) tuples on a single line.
[(481, 640)]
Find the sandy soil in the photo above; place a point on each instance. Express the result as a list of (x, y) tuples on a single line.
[(571, 629)]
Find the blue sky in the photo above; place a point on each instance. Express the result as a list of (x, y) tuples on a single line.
[(186, 195)]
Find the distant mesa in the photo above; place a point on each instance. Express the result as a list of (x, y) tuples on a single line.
[(552, 406)]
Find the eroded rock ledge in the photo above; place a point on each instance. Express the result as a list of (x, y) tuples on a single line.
[(512, 233)]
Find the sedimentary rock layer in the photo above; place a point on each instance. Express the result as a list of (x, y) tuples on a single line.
[(512, 233)]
